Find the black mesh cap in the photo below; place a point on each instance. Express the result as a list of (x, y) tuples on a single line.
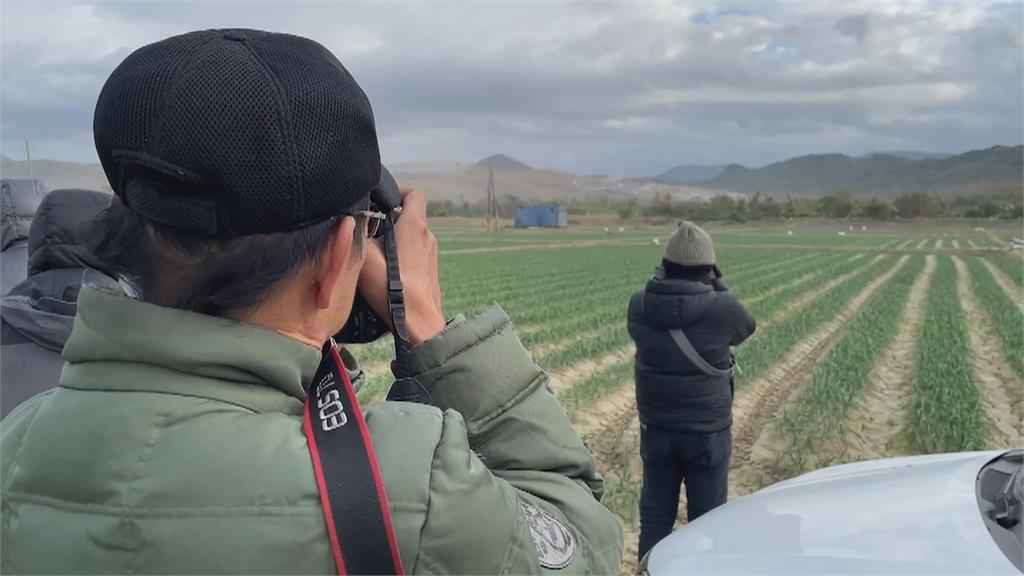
[(233, 132)]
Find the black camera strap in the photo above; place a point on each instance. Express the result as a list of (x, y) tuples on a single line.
[(352, 495), (404, 389)]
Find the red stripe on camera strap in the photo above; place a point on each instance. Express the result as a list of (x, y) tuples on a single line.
[(352, 494)]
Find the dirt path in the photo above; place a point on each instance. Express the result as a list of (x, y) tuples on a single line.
[(876, 422), (1011, 289), (905, 244), (565, 378), (938, 244), (606, 429), (972, 244), (612, 411), (921, 244), (956, 245), (993, 373), (995, 239), (758, 403)]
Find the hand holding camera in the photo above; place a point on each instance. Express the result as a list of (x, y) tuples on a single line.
[(417, 251)]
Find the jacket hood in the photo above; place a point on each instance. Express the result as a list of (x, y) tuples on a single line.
[(20, 198), (59, 234), (43, 307), (674, 303)]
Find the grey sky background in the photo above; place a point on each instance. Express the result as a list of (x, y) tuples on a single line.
[(625, 88)]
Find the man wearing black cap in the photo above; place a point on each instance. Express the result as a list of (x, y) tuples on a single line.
[(176, 443)]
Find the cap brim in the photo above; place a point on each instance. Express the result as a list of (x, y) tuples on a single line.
[(386, 194)]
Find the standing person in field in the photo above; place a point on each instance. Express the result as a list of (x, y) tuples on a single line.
[(683, 324)]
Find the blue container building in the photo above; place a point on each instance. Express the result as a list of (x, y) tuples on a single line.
[(542, 216)]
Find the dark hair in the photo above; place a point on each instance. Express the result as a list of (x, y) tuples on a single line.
[(210, 275)]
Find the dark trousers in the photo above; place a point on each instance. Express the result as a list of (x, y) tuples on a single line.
[(671, 458)]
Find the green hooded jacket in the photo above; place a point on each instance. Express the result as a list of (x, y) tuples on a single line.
[(174, 444)]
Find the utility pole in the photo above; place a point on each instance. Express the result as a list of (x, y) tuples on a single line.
[(28, 159), (492, 201)]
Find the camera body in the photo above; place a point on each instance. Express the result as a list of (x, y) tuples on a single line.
[(364, 325)]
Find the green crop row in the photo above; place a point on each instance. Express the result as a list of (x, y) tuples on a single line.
[(1012, 267), (783, 334), (612, 315), (587, 391), (946, 413), (815, 424), (769, 308), (1002, 311)]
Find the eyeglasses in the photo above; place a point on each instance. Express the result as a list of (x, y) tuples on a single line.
[(374, 222)]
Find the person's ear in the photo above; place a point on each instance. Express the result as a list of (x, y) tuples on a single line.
[(334, 262)]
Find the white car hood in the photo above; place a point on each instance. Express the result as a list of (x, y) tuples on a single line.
[(916, 515)]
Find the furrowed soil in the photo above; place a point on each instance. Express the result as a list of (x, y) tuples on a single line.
[(564, 379), (992, 372), (760, 402), (1011, 289), (995, 239), (791, 284), (877, 422), (810, 296)]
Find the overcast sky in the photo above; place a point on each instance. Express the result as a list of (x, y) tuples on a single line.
[(611, 88)]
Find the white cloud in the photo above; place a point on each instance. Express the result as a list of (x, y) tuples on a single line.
[(627, 87)]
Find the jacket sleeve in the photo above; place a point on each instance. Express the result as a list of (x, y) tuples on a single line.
[(512, 488), (743, 323)]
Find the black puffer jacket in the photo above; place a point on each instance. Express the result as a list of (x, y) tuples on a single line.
[(36, 316), (671, 393), (19, 199)]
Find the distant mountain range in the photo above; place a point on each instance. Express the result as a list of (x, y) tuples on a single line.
[(915, 154), (515, 178), (57, 173), (500, 162), (994, 169), (690, 173)]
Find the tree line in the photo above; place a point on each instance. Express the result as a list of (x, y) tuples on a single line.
[(740, 208)]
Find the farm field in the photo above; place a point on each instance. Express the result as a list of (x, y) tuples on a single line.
[(878, 342)]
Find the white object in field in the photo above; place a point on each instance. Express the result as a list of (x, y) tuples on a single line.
[(657, 242), (863, 228), (621, 229), (605, 229), (915, 515), (841, 233), (789, 232), (851, 228)]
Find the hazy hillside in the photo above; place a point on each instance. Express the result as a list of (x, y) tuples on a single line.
[(540, 185), (500, 162), (979, 170), (57, 174), (690, 173), (915, 154)]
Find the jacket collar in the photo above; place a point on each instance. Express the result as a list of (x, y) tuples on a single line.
[(677, 286), (118, 343)]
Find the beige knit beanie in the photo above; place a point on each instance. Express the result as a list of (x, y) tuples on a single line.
[(690, 246)]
